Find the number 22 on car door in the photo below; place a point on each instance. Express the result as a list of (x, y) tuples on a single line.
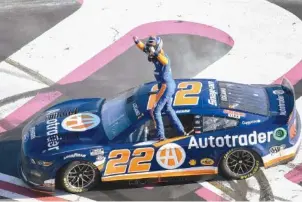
[(187, 94), (124, 161)]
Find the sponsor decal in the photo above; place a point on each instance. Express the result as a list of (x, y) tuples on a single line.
[(136, 110), (55, 114), (100, 158), (280, 134), (49, 183), (81, 122), (223, 95), (52, 111), (52, 134), (213, 94), (230, 140), (180, 111), (281, 105), (277, 149), (234, 114), (32, 133), (293, 130), (192, 162), (278, 92), (26, 136), (96, 152), (250, 122), (233, 106), (75, 155), (170, 156), (197, 122), (207, 162)]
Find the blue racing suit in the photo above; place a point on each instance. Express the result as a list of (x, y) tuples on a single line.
[(167, 87)]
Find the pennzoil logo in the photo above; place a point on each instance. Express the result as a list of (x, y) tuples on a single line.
[(207, 162), (81, 122)]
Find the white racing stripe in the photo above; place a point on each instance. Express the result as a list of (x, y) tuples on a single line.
[(59, 194), (16, 197), (212, 168)]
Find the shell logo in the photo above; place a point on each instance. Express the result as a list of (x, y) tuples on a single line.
[(170, 156), (81, 122)]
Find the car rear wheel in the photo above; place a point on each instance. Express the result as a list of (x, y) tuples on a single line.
[(239, 164), (79, 176)]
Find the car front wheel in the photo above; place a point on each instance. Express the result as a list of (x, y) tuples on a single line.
[(239, 164), (79, 176)]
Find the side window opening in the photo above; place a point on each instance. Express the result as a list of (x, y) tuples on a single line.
[(211, 123), (148, 131), (187, 121)]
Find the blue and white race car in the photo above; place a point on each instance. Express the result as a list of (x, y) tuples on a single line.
[(233, 128)]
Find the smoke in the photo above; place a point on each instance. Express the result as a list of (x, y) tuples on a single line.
[(192, 54)]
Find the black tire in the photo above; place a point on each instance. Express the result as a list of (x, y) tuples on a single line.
[(66, 176), (248, 164)]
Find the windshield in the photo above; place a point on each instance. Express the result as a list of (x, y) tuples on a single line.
[(243, 97), (117, 113)]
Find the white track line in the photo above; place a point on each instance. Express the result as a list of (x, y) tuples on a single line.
[(59, 194), (215, 190)]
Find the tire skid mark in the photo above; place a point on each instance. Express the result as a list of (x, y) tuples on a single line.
[(233, 192), (30, 72), (28, 109)]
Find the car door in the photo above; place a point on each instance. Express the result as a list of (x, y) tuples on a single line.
[(207, 143)]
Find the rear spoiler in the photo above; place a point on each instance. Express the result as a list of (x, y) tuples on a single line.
[(288, 89), (287, 84)]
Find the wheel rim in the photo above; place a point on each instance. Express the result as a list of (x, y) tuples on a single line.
[(81, 176), (241, 162)]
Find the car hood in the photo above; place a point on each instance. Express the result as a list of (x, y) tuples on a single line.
[(63, 125)]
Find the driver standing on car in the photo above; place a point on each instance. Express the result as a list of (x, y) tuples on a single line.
[(166, 84)]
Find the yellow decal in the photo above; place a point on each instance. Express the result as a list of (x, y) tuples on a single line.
[(119, 159), (192, 162), (187, 94)]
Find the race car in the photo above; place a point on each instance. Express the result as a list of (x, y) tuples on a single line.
[(233, 129)]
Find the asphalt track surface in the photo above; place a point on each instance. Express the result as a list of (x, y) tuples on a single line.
[(19, 25)]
